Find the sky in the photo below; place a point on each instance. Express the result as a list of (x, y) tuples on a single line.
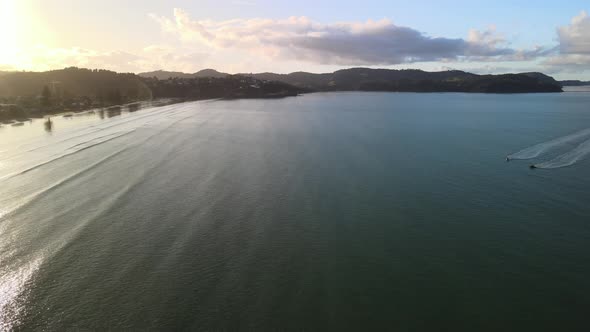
[(242, 36)]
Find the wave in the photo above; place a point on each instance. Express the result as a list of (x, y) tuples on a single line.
[(40, 193), (133, 121), (545, 147), (82, 146), (12, 287), (24, 254), (568, 158), (33, 197), (81, 140)]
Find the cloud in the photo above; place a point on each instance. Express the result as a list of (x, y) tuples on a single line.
[(296, 43), (349, 43), (574, 46), (244, 3), (570, 63), (575, 38), (7, 68), (41, 57), (171, 58)]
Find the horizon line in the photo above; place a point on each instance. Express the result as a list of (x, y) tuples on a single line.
[(287, 73)]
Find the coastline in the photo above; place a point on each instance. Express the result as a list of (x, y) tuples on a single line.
[(66, 112), (140, 104)]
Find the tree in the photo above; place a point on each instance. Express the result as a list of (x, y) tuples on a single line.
[(132, 93), (46, 96), (100, 97), (114, 97)]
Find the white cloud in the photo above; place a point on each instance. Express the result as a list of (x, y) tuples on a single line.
[(575, 38), (171, 58), (574, 46), (349, 43), (41, 58), (6, 67), (570, 63), (299, 43)]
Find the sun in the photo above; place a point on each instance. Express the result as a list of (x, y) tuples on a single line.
[(9, 32)]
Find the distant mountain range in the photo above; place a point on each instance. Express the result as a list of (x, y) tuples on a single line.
[(366, 79), (574, 83), (164, 75), (74, 82)]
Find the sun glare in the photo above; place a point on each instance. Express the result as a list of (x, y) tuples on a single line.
[(9, 33)]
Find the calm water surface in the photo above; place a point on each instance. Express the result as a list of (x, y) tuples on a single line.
[(340, 211)]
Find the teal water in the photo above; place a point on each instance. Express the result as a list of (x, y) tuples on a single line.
[(336, 211)]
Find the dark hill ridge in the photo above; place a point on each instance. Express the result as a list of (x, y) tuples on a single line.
[(210, 73), (164, 75), (72, 82), (574, 83), (408, 80), (76, 82), (34, 94), (25, 95), (366, 79), (30, 94), (228, 87)]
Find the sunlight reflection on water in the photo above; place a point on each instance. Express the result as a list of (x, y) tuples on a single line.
[(13, 286)]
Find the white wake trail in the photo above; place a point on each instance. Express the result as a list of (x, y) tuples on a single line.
[(542, 148), (568, 158)]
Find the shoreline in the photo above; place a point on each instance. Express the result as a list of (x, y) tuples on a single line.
[(140, 104), (64, 112)]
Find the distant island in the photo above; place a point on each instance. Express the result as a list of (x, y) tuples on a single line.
[(574, 83), (25, 95)]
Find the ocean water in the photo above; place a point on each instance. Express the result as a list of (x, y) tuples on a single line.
[(333, 211)]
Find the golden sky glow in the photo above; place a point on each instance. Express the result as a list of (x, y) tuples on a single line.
[(21, 34), (285, 36), (8, 31)]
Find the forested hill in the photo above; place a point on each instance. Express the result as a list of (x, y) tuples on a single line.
[(366, 79), (28, 94), (72, 83), (103, 86), (164, 75), (410, 80), (34, 94)]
